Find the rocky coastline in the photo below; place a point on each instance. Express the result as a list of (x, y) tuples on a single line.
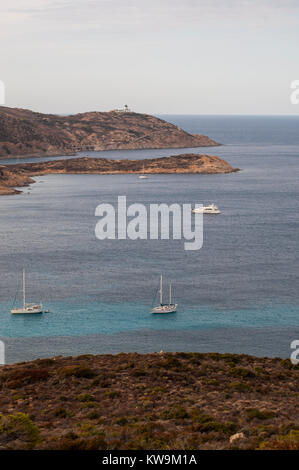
[(20, 175), (24, 133)]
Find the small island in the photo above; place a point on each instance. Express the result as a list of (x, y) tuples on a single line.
[(20, 175)]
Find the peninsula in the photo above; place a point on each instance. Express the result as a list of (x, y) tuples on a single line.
[(19, 175), (26, 133)]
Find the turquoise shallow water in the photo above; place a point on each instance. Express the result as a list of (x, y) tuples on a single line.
[(84, 317), (244, 279)]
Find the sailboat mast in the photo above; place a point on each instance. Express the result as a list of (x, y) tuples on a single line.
[(161, 291), (170, 294), (24, 289)]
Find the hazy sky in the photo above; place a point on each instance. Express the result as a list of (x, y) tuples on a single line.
[(159, 56)]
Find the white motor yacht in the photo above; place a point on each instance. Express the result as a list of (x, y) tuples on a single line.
[(211, 209)]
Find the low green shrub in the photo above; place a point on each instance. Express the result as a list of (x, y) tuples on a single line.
[(18, 426), (262, 415), (78, 371), (175, 412), (85, 397)]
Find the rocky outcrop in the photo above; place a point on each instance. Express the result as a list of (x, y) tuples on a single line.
[(14, 175), (27, 133), (11, 179)]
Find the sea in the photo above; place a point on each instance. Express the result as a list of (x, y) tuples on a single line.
[(239, 293)]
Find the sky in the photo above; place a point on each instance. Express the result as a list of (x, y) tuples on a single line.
[(157, 56)]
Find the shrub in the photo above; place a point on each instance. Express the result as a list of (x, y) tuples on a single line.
[(60, 412), (287, 364), (85, 397), (157, 390), (88, 429), (93, 415), (46, 362), (240, 386), (175, 412), (102, 382), (94, 443), (122, 421), (198, 417), (226, 428), (139, 373), (112, 394), (229, 358), (170, 362), (19, 426), (89, 404), (242, 372), (78, 371), (18, 397), (255, 413), (205, 423), (288, 442), (18, 377)]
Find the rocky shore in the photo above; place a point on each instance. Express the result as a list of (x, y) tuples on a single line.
[(27, 133), (150, 401), (11, 179), (20, 174)]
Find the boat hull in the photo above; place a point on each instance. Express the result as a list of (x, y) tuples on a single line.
[(202, 211), (165, 309), (26, 311)]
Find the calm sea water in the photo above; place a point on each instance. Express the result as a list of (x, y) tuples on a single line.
[(239, 293)]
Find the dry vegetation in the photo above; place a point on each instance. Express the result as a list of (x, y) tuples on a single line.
[(25, 133), (152, 401), (20, 174)]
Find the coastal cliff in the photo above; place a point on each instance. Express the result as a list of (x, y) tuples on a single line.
[(27, 133), (150, 401), (20, 174)]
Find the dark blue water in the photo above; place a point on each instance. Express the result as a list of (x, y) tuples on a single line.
[(238, 293)]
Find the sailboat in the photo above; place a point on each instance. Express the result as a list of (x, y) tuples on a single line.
[(27, 308), (164, 308), (143, 176)]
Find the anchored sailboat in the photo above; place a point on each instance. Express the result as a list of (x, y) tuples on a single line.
[(164, 308), (27, 308), (143, 176)]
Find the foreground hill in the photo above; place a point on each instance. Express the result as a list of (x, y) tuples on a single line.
[(27, 133), (151, 401), (19, 175)]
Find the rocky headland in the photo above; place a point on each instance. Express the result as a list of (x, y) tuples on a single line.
[(26, 133), (21, 174), (151, 401), (10, 179)]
